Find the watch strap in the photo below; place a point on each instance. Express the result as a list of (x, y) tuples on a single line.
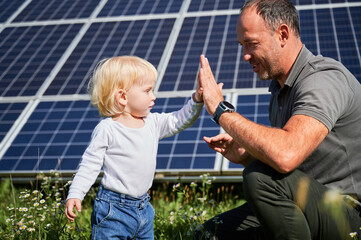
[(222, 107)]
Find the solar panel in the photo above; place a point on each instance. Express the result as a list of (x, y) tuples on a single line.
[(48, 50), (28, 54), (215, 37), (108, 39), (52, 135)]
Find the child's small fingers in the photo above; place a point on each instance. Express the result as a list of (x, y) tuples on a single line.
[(70, 214), (78, 206)]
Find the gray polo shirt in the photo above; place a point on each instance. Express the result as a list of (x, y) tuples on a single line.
[(324, 89)]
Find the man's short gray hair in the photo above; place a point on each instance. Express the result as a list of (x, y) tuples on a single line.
[(275, 13)]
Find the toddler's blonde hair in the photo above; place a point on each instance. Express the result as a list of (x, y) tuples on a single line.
[(116, 73)]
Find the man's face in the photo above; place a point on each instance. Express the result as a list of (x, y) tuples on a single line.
[(260, 45)]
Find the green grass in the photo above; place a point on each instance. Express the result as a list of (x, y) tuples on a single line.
[(36, 211)]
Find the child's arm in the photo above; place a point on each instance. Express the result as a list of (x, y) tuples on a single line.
[(177, 121), (89, 168), (69, 207)]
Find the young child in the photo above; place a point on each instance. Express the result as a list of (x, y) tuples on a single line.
[(125, 145)]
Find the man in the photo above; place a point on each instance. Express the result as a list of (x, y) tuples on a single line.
[(302, 177)]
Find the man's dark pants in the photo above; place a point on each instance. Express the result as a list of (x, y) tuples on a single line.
[(287, 206)]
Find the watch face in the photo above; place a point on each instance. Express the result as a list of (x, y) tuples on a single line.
[(228, 105)]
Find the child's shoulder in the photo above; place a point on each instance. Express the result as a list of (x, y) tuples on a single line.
[(154, 116), (103, 124)]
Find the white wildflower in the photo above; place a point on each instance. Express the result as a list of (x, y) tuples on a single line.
[(353, 234)]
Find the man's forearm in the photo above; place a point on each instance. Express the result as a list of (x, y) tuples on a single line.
[(283, 149)]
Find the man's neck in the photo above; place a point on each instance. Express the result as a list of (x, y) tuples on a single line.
[(289, 60)]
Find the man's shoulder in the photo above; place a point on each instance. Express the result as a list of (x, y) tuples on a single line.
[(321, 63)]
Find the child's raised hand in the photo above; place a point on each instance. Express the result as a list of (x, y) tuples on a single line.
[(198, 95), (70, 204)]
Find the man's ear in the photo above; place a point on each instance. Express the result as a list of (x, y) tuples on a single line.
[(121, 96), (284, 34)]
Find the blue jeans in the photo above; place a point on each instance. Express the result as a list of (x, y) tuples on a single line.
[(117, 216)]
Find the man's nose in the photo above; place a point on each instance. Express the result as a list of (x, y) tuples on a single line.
[(246, 55)]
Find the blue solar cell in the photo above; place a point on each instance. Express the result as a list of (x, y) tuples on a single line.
[(83, 136), (183, 147), (203, 149), (9, 112), (204, 163), (234, 166), (182, 162), (48, 163), (68, 164), (7, 165), (161, 162), (76, 150), (164, 148)]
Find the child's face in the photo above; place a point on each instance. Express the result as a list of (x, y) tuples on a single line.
[(141, 99)]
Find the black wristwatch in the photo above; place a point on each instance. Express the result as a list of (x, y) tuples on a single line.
[(223, 106)]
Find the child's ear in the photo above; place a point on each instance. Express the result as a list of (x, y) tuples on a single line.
[(121, 96)]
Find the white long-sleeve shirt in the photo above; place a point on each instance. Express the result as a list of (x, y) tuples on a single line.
[(128, 155)]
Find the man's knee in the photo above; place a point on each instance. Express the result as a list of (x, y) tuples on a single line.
[(260, 179)]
